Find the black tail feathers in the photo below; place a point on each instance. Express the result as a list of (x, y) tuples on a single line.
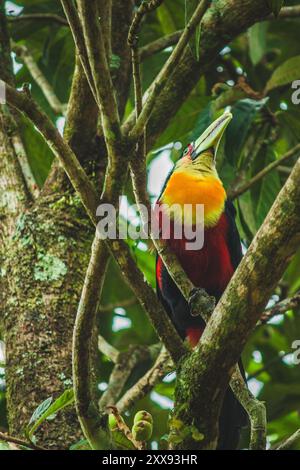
[(233, 418)]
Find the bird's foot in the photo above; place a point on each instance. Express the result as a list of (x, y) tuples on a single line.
[(201, 304)]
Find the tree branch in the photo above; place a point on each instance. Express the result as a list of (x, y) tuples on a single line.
[(171, 39), (39, 17), (161, 367), (122, 426), (289, 12), (107, 349), (222, 23), (94, 424), (105, 10), (256, 410), (233, 193), (138, 163), (20, 442), (280, 308), (87, 193), (124, 366), (159, 44), (293, 439), (40, 79), (77, 175)]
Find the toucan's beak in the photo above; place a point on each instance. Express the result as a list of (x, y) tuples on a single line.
[(211, 138)]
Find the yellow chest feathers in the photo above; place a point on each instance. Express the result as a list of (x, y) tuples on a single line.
[(191, 189)]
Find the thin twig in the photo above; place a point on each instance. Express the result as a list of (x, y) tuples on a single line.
[(39, 17), (138, 163), (36, 73), (161, 367), (21, 154), (14, 195), (144, 8), (124, 366), (168, 68), (267, 366), (20, 442), (107, 349), (280, 308), (288, 12), (159, 45), (234, 193), (293, 439)]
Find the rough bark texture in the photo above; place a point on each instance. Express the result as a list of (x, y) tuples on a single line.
[(44, 267), (48, 254)]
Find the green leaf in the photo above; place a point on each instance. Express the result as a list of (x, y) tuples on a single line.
[(285, 74), (244, 113), (47, 410), (83, 444), (269, 190), (165, 18), (257, 37), (39, 154), (275, 6), (40, 410), (5, 446)]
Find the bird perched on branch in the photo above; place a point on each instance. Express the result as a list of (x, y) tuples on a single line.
[(194, 181)]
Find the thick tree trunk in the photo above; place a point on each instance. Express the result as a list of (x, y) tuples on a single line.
[(44, 268)]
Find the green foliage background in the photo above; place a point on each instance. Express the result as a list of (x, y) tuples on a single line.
[(269, 56)]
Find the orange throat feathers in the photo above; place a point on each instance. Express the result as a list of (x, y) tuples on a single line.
[(189, 188)]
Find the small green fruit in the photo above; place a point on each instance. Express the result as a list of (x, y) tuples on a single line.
[(112, 423), (142, 431), (143, 416)]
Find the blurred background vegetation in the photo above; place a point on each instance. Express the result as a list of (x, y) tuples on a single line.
[(268, 56)]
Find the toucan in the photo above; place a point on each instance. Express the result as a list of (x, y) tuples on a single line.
[(193, 181)]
